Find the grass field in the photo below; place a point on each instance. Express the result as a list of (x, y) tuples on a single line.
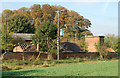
[(87, 69)]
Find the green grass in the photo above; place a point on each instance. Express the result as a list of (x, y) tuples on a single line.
[(87, 69)]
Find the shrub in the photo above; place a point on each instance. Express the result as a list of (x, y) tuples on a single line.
[(52, 64), (58, 61), (5, 68), (38, 62), (81, 60), (17, 68), (45, 64)]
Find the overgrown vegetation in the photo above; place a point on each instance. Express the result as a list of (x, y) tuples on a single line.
[(101, 48), (10, 41), (46, 37), (24, 64), (112, 41)]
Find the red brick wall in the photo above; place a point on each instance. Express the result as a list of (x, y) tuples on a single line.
[(28, 55), (78, 54), (91, 42)]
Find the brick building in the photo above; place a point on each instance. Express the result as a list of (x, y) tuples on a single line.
[(91, 40)]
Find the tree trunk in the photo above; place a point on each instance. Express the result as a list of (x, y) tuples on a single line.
[(50, 56), (101, 56), (48, 42), (2, 56)]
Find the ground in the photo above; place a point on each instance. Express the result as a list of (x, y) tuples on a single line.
[(80, 69)]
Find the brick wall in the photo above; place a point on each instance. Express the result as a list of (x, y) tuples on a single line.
[(91, 40), (28, 55)]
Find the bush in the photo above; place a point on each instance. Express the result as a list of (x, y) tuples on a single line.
[(81, 60), (45, 64), (17, 68), (38, 62), (5, 68), (52, 64), (58, 61)]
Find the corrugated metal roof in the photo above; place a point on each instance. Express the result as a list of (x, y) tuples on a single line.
[(23, 36)]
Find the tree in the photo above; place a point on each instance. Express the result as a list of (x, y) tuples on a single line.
[(6, 14), (25, 11), (20, 24), (83, 44), (101, 48), (63, 16), (112, 41), (74, 25), (36, 14), (47, 12), (10, 40), (46, 36)]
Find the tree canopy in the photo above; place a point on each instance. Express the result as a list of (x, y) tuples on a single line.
[(42, 20), (112, 41), (45, 36), (32, 17), (19, 24)]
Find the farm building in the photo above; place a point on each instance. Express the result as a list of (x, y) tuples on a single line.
[(68, 49), (27, 46), (91, 40)]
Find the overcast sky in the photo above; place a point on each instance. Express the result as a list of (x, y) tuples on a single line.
[(102, 14)]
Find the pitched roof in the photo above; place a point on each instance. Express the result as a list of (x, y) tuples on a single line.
[(23, 36)]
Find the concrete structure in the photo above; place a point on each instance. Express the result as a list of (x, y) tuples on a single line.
[(91, 40)]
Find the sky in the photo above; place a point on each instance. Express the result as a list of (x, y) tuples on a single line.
[(102, 14)]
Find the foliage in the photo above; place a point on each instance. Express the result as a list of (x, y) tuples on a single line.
[(112, 41), (28, 20), (5, 68), (101, 48), (19, 24), (71, 21), (10, 40), (119, 45), (45, 36), (83, 45), (76, 25)]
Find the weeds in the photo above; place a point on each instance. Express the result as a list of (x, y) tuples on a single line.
[(6, 68), (16, 64)]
